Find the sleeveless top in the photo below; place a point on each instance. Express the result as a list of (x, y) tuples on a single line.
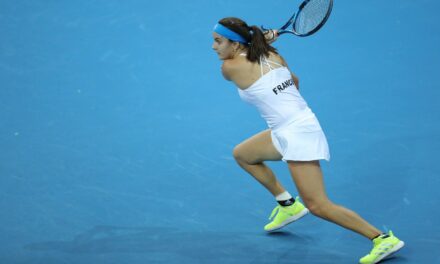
[(276, 97)]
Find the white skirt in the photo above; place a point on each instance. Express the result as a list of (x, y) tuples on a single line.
[(301, 140)]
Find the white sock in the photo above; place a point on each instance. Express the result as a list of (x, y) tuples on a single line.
[(283, 196)]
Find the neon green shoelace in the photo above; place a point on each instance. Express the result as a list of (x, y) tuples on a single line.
[(274, 211)]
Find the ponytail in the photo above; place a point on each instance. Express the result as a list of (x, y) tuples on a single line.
[(257, 44)]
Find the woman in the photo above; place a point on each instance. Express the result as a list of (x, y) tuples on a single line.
[(294, 135)]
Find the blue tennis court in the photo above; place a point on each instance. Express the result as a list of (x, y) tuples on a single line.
[(117, 130)]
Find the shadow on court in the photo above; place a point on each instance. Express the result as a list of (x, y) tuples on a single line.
[(198, 247)]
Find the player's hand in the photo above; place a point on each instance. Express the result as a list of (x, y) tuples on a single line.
[(271, 35)]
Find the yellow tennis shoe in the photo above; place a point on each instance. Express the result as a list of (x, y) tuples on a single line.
[(284, 215), (383, 247)]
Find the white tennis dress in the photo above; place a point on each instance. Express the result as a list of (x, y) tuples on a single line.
[(295, 130)]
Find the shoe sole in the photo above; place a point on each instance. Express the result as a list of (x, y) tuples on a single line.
[(289, 220), (394, 250)]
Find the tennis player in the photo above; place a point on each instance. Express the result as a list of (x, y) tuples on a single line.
[(294, 135)]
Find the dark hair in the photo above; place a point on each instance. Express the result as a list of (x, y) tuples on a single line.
[(257, 44)]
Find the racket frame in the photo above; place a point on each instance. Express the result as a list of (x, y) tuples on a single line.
[(292, 21)]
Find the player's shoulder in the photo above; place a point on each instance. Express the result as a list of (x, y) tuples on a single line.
[(275, 57), (230, 67)]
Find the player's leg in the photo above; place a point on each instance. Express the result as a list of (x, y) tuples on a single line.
[(308, 179), (250, 155), (309, 182)]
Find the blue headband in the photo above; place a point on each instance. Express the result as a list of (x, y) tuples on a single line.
[(229, 34)]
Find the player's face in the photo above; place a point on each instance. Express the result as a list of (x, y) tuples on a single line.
[(222, 46)]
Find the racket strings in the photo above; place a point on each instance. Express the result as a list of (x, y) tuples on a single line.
[(311, 16)]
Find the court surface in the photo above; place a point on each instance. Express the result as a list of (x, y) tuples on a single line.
[(116, 133)]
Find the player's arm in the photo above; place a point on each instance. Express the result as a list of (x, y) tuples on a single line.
[(294, 77)]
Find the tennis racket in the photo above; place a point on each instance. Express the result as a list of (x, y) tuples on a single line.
[(310, 17)]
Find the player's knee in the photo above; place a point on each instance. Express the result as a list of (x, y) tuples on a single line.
[(238, 153), (315, 209), (318, 208), (241, 156)]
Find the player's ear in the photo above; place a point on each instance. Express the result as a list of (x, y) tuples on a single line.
[(235, 46)]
